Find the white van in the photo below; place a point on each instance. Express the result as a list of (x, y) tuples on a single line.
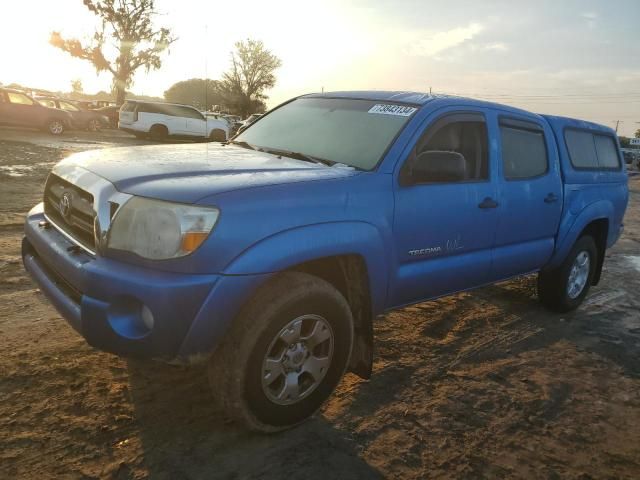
[(161, 120)]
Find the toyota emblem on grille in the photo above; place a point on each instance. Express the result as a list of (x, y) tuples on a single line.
[(65, 205)]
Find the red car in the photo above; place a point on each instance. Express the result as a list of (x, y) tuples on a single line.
[(20, 110)]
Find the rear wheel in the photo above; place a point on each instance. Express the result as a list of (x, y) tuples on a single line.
[(285, 353), (158, 132), (218, 135), (55, 127), (564, 288)]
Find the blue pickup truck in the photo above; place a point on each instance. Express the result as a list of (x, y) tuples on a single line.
[(269, 256)]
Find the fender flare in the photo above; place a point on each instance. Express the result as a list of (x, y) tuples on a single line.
[(288, 248), (571, 230), (256, 265)]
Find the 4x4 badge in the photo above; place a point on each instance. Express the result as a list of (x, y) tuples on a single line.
[(65, 205)]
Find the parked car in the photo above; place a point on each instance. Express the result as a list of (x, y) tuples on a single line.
[(269, 257), (162, 120), (93, 104), (248, 121), (632, 158), (235, 122), (19, 109), (112, 114), (81, 119)]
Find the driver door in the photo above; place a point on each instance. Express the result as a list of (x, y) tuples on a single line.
[(444, 229)]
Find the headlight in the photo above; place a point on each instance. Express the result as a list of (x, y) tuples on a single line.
[(159, 230)]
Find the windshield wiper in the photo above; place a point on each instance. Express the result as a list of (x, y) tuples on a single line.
[(298, 156), (242, 144)]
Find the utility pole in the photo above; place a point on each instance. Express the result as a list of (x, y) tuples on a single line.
[(617, 124)]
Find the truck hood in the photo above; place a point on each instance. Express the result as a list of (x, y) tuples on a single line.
[(190, 172)]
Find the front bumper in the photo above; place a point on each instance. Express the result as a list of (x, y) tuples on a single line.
[(108, 302)]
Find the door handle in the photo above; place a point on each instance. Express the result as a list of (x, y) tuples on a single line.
[(488, 203), (550, 198)]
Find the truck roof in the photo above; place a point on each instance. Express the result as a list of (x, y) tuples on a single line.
[(420, 99)]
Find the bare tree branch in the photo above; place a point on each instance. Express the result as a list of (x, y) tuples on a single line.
[(138, 43)]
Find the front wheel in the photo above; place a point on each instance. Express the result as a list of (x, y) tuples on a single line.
[(564, 288), (285, 353)]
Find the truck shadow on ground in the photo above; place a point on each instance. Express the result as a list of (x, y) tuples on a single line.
[(184, 435)]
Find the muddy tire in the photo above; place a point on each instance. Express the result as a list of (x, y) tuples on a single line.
[(285, 353), (158, 132), (55, 127), (564, 288)]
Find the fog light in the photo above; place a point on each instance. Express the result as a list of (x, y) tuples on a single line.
[(130, 318), (147, 317)]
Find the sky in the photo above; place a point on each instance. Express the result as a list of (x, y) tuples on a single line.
[(578, 58)]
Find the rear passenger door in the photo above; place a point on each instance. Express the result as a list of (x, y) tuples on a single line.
[(196, 123), (530, 196)]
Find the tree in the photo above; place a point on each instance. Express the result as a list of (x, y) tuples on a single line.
[(624, 141), (637, 134), (251, 73), (137, 42), (76, 86), (198, 92)]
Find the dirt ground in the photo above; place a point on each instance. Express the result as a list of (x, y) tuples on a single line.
[(480, 385)]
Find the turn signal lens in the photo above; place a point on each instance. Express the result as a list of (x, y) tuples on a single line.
[(192, 240)]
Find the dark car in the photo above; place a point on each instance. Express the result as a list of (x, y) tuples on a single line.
[(19, 109), (82, 119), (111, 112)]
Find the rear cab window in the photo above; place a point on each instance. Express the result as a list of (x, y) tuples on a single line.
[(590, 150)]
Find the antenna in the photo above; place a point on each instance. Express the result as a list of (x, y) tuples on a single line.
[(206, 74), (206, 91)]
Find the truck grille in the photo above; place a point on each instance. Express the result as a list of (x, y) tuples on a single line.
[(71, 209)]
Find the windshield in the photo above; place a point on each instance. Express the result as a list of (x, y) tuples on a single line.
[(347, 131)]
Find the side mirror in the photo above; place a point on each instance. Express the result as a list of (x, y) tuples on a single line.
[(438, 166)]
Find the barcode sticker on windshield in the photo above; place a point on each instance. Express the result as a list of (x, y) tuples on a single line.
[(398, 110)]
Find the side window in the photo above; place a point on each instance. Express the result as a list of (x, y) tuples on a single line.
[(592, 151), (607, 152), (524, 152), (581, 149), (463, 134), (68, 107), (47, 102), (128, 107), (147, 108), (19, 98), (191, 113)]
